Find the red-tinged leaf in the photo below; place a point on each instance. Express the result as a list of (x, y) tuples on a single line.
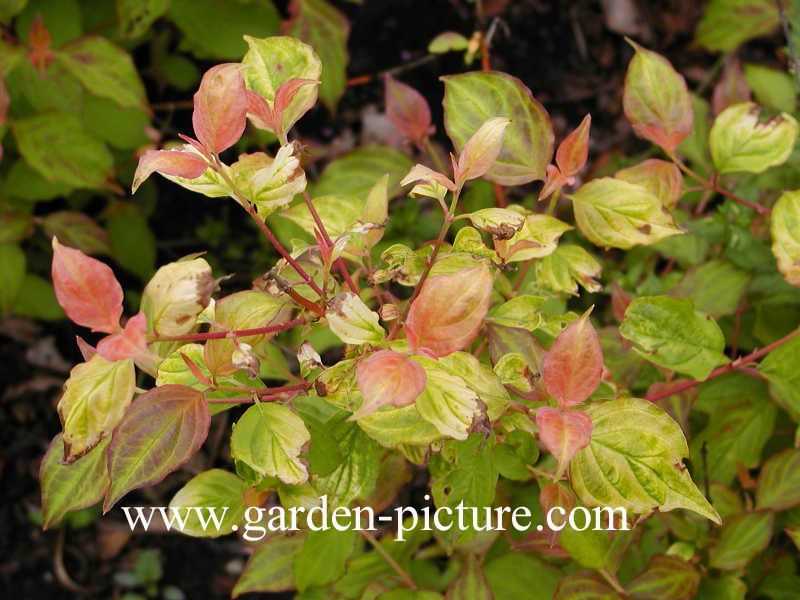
[(481, 150), (661, 178), (86, 289), (585, 585), (563, 433), (620, 299), (178, 163), (388, 378), (656, 100), (731, 89), (39, 41), (286, 93), (422, 173), (449, 311), (574, 150), (553, 182), (260, 112), (554, 495), (408, 111), (220, 107), (130, 343), (665, 576), (86, 349), (161, 431), (574, 365)]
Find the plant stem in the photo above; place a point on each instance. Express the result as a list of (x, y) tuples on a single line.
[(715, 187), (327, 239), (216, 335), (390, 560), (740, 364)]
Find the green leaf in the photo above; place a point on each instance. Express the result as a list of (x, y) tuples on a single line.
[(21, 182), (779, 481), (270, 568), (95, 398), (319, 24), (132, 241), (516, 575), (468, 476), (785, 230), (322, 559), (37, 300), (741, 421), (480, 378), (12, 275), (781, 367), (355, 173), (269, 438), (470, 99), (62, 19), (273, 61), (136, 16), (56, 91), (355, 476), (656, 99), (538, 237), (743, 538), (77, 230), (739, 141), (728, 587), (446, 403), (70, 487), (585, 585), (123, 128), (337, 212), (214, 28), (523, 312), (665, 576), (106, 70), (772, 88), (715, 287), (567, 267), (614, 213), (669, 332), (470, 583), (399, 426), (57, 146), (160, 432), (589, 547), (214, 489), (727, 24), (634, 461)]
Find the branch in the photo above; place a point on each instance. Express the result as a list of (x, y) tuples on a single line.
[(231, 333), (741, 364)]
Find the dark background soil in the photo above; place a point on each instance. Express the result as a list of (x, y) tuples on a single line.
[(561, 50)]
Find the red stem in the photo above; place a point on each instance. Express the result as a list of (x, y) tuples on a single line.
[(216, 335), (740, 364), (324, 233)]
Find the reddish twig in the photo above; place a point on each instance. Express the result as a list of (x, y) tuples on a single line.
[(232, 333)]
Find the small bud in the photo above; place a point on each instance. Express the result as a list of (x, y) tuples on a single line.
[(389, 312), (244, 357), (309, 359)]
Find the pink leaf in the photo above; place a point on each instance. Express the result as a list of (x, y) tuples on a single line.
[(220, 108), (554, 495), (388, 378), (178, 163), (86, 289), (449, 311), (481, 150), (731, 89), (563, 433), (130, 343), (553, 182), (408, 111), (574, 365), (422, 173), (287, 91), (574, 150), (260, 112)]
